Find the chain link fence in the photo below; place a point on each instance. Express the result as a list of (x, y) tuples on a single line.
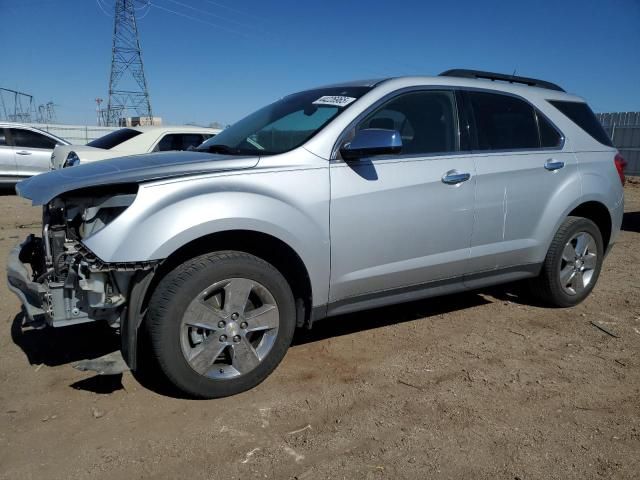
[(624, 130), (76, 134)]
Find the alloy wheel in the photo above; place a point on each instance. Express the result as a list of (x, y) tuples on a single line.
[(578, 263), (229, 328)]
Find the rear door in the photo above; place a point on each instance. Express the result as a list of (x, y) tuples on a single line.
[(7, 157), (521, 165), (32, 151), (395, 223)]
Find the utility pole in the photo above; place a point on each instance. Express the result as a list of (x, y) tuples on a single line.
[(99, 113), (128, 93)]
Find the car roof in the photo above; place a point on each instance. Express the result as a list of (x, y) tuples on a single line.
[(16, 124), (451, 81), (31, 127), (174, 128)]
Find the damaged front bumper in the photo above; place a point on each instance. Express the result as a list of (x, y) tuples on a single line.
[(30, 293), (85, 290)]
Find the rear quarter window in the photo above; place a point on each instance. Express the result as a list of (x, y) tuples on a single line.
[(580, 114), (114, 139)]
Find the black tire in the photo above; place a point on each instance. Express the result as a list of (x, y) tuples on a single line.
[(177, 290), (547, 287)]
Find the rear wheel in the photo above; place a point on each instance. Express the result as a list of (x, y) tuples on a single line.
[(572, 265), (220, 323)]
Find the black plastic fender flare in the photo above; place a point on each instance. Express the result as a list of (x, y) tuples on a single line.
[(133, 316)]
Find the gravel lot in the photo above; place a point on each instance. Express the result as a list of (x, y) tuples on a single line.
[(477, 385)]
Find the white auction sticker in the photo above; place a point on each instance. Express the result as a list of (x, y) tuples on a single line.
[(334, 100)]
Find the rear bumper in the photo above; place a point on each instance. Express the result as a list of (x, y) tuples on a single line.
[(617, 214), (31, 294)]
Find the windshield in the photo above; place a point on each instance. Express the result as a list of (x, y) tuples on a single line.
[(285, 124), (114, 138)]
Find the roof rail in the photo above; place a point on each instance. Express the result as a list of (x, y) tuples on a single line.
[(532, 82)]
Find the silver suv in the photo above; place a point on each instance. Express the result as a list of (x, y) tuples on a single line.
[(328, 201)]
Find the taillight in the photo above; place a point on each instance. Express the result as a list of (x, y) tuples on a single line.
[(620, 164)]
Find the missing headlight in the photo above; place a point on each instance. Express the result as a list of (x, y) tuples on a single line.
[(82, 213), (96, 217)]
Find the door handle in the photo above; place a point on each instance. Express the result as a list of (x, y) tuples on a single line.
[(454, 177), (23, 152), (552, 165)]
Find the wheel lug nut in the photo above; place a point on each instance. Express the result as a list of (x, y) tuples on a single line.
[(223, 338), (221, 324), (243, 325), (236, 338), (234, 316)]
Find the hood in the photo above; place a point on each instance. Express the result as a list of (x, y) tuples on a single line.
[(42, 188)]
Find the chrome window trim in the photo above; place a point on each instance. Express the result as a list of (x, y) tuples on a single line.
[(336, 147)]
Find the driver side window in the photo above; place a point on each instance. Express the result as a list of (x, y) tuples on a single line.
[(426, 121)]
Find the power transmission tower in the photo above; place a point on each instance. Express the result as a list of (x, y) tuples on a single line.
[(47, 113), (128, 93), (22, 105)]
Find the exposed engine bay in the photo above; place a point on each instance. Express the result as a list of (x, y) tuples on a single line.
[(75, 286)]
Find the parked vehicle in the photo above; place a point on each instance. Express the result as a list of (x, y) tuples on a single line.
[(24, 151), (132, 141), (328, 201)]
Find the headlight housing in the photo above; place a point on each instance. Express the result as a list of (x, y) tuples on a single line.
[(72, 160)]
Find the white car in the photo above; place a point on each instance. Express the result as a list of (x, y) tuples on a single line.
[(24, 151), (131, 141)]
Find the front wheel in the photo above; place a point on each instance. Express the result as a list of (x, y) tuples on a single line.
[(572, 265), (220, 323)]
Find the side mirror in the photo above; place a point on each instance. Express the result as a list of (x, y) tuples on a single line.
[(372, 141)]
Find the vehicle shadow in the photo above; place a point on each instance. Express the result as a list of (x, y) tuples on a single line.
[(631, 222), (60, 346), (6, 190), (385, 316)]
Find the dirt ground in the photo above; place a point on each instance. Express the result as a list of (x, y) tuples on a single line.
[(477, 385)]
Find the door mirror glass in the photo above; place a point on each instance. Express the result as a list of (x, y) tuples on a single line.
[(372, 141)]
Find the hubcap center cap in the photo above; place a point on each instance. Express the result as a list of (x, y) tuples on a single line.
[(231, 329)]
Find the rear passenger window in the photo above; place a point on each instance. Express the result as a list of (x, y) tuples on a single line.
[(549, 136), (179, 141), (29, 139), (191, 140), (502, 122), (426, 121)]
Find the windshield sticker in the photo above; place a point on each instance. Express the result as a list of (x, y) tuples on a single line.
[(335, 100)]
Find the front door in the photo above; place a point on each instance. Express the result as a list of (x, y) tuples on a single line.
[(7, 157), (403, 220), (33, 151)]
